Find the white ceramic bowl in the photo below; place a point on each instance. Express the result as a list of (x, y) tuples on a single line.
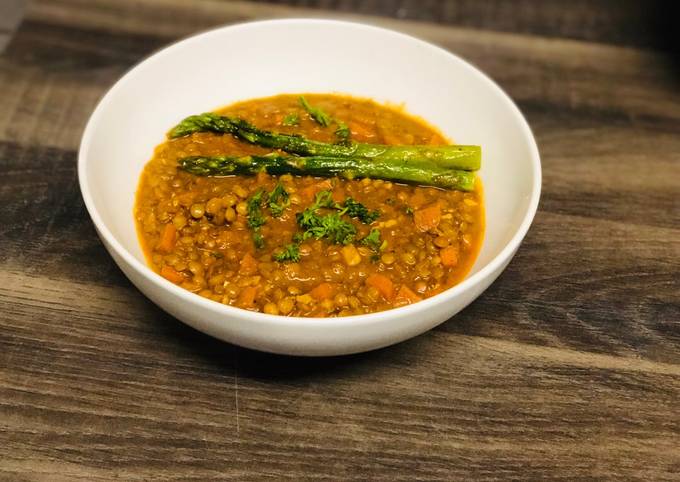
[(292, 56)]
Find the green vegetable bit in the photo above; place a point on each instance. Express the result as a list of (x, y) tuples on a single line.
[(357, 210), (258, 239), (256, 217), (316, 113), (278, 200), (373, 240), (342, 132), (291, 119), (330, 226), (290, 252), (448, 157)]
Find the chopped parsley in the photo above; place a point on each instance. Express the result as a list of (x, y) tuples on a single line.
[(372, 240), (342, 131), (258, 239), (291, 119), (330, 226), (318, 223), (317, 114), (355, 209), (278, 200), (256, 217), (290, 252)]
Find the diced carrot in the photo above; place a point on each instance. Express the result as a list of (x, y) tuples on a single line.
[(427, 218), (405, 295), (417, 200), (359, 129), (168, 237), (382, 283), (246, 298), (248, 265), (278, 118), (449, 256), (323, 291), (171, 274)]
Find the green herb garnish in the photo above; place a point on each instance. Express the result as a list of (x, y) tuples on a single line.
[(372, 240), (256, 217), (258, 239), (316, 113), (278, 200), (355, 209), (290, 252), (330, 226), (291, 119), (342, 132)]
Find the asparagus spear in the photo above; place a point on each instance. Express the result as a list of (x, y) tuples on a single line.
[(323, 166), (466, 158)]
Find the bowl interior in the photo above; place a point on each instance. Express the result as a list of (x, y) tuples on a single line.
[(290, 56)]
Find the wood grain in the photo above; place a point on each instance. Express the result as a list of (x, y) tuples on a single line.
[(567, 368)]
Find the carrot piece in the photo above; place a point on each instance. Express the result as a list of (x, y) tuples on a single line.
[(168, 237), (322, 291), (171, 274), (246, 298), (405, 295), (427, 218), (449, 256), (417, 200), (248, 265), (382, 283)]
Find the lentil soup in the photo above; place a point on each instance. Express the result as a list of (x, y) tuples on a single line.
[(406, 243)]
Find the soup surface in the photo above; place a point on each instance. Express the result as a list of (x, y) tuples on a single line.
[(414, 242)]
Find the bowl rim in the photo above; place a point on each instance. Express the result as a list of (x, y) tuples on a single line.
[(225, 311)]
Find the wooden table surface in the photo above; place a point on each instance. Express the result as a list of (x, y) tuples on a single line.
[(567, 368)]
